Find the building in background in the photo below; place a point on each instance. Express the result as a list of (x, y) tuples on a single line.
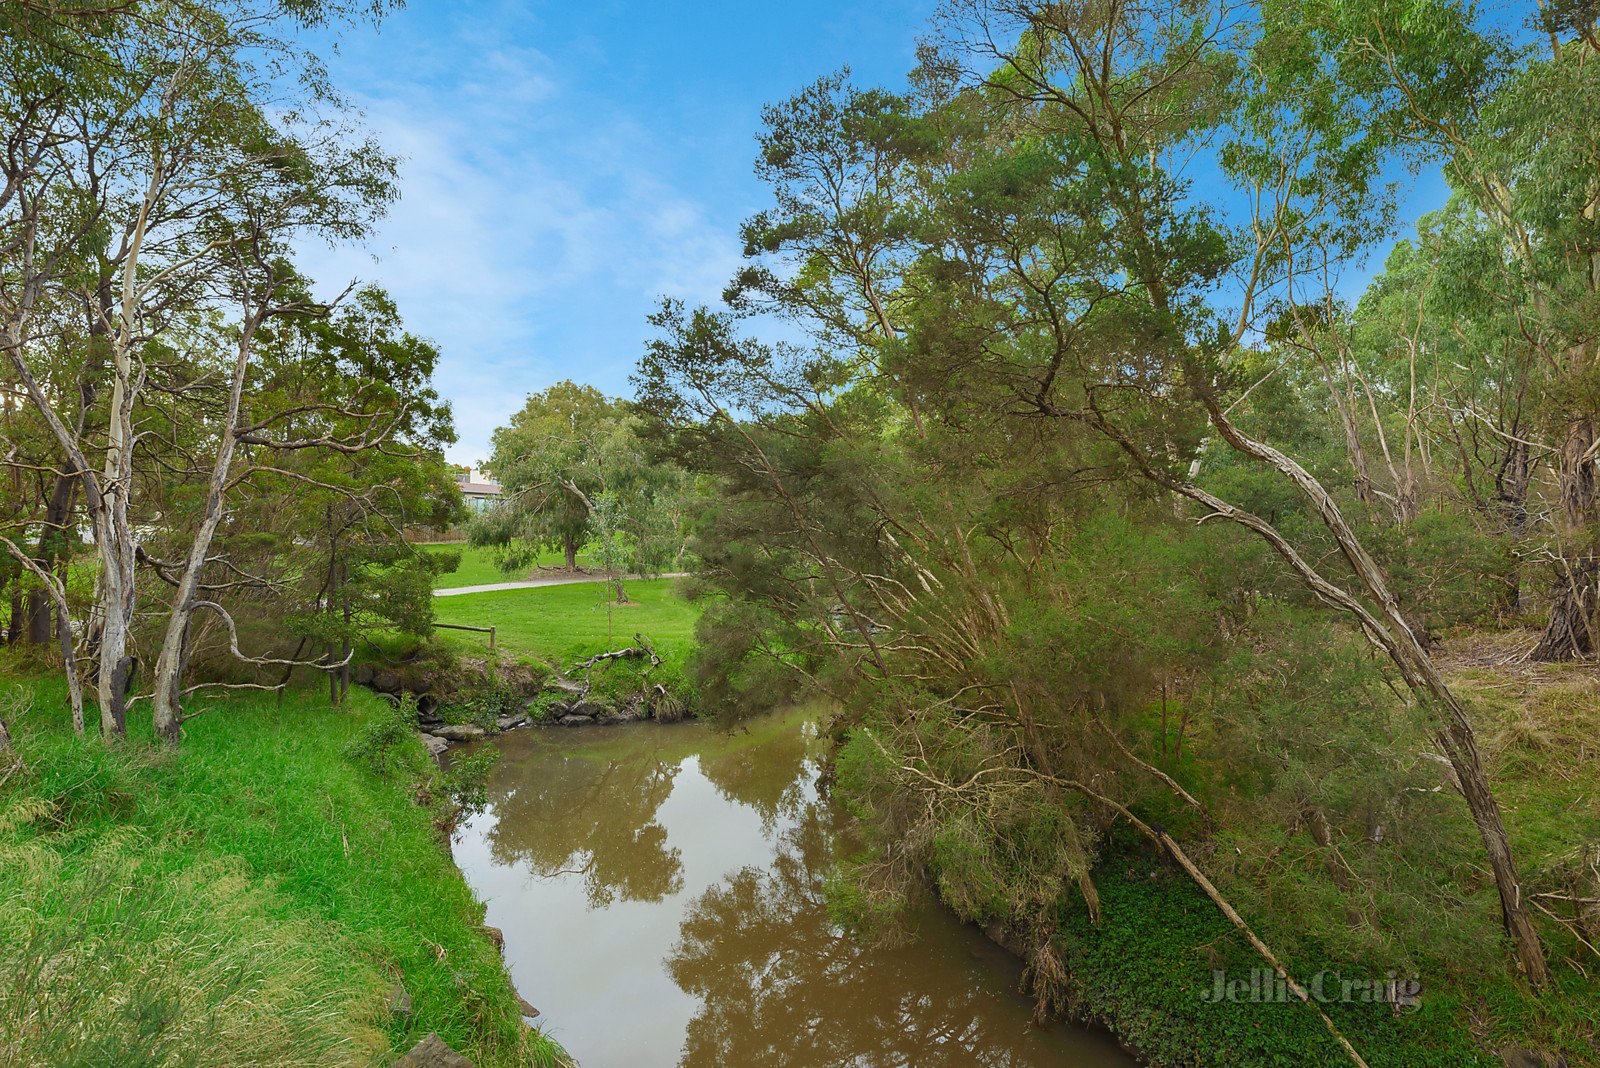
[(479, 495)]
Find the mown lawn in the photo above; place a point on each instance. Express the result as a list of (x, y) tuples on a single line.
[(563, 623), (477, 568), (251, 900)]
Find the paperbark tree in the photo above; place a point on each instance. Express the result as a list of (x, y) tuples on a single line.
[(143, 168)]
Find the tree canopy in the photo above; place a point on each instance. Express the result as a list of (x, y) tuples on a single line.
[(1077, 424)]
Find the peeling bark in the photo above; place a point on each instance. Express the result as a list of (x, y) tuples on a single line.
[(1573, 632)]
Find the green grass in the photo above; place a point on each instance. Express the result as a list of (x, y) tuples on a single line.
[(250, 900), (562, 623), (478, 569)]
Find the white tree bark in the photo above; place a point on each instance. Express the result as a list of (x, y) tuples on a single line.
[(167, 714)]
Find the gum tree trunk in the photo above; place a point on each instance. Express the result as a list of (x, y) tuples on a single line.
[(167, 713), (1388, 631), (1575, 612), (1394, 635)]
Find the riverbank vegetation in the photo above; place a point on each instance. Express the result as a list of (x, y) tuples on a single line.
[(1131, 534), (1193, 599), (208, 461), (208, 456), (258, 901)]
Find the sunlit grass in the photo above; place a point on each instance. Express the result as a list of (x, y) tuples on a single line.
[(562, 623), (248, 901)]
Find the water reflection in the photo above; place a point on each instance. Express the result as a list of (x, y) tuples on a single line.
[(594, 819), (772, 772), (661, 892), (780, 987)]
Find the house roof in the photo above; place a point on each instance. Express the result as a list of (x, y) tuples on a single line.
[(480, 489)]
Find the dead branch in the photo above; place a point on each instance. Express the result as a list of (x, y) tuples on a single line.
[(233, 645), (1166, 842), (1172, 784), (58, 596), (640, 651)]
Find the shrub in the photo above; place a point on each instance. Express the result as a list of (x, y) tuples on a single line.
[(387, 745)]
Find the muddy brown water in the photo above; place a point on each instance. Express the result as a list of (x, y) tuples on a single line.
[(661, 890)]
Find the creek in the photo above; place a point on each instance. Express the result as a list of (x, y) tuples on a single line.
[(661, 891)]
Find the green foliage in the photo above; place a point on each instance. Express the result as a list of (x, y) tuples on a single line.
[(853, 907), (548, 460), (735, 666), (483, 702), (387, 747), (1010, 861), (1448, 569), (575, 471), (1144, 968), (545, 705), (386, 744)]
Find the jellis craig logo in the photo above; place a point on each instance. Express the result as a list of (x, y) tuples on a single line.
[(1266, 985)]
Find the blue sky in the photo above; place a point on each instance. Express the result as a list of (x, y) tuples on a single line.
[(565, 164)]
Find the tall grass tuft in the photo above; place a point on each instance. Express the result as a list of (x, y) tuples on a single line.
[(250, 900), (107, 962)]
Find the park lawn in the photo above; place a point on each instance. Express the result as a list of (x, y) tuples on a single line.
[(249, 900), (563, 623), (477, 568)]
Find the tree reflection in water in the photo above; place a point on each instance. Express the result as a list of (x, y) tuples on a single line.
[(766, 770), (720, 846), (592, 817), (780, 987)]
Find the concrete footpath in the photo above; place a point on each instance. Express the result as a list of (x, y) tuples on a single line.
[(552, 580)]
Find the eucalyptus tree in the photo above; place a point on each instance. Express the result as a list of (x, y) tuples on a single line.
[(1513, 122), (353, 461), (1118, 322), (1045, 264), (574, 471), (1434, 353), (548, 460), (329, 431), (166, 156)]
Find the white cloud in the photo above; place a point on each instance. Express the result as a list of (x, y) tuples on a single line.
[(531, 237)]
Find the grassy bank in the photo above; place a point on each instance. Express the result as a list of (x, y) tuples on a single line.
[(252, 900), (477, 566), (562, 623)]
